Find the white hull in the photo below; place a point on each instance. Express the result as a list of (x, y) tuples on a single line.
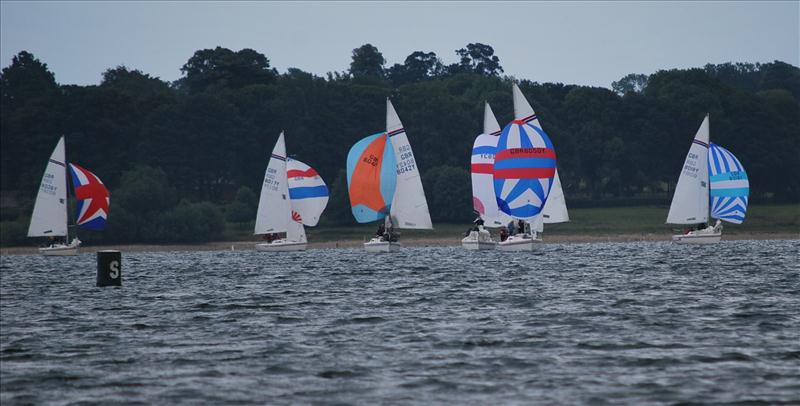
[(478, 245), (697, 238), (478, 240), (61, 249), (709, 235), (281, 246), (379, 245), (518, 243)]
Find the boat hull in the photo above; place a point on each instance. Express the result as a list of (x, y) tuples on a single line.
[(697, 238), (61, 249), (281, 246), (518, 243), (478, 240), (478, 245), (378, 245)]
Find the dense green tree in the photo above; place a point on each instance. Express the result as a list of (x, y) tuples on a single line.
[(243, 208), (222, 67), (478, 58), (632, 82), (449, 194), (367, 62), (417, 67), (212, 134)]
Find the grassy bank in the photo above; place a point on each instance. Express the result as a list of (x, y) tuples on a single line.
[(595, 222)]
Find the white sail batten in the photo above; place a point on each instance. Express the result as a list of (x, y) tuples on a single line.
[(555, 208), (49, 216), (274, 206), (690, 201), (409, 207)]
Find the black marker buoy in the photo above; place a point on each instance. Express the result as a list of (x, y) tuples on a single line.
[(109, 268)]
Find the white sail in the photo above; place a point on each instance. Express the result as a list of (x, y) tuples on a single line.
[(295, 232), (409, 207), (690, 201), (49, 216), (307, 191), (274, 206), (555, 208), (481, 169), (523, 109)]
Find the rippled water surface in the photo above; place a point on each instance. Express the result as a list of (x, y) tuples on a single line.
[(636, 323)]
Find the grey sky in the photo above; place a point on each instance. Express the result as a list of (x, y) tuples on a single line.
[(589, 43)]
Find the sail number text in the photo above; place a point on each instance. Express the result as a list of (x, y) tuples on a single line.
[(406, 162), (690, 167), (269, 180), (371, 160)]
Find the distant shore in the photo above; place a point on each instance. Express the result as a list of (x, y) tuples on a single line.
[(409, 242)]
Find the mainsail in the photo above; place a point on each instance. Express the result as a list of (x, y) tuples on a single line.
[(555, 208), (482, 168), (93, 198), (729, 185), (690, 201), (49, 216), (307, 191), (274, 207), (371, 177), (409, 208), (525, 163)]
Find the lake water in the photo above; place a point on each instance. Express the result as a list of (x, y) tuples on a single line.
[(634, 323)]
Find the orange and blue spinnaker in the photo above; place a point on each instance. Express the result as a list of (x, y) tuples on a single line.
[(371, 177)]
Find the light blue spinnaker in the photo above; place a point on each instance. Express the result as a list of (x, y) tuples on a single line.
[(729, 185)]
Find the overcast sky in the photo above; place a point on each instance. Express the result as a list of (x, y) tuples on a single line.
[(588, 43)]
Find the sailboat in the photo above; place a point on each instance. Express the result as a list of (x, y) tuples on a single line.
[(292, 195), (483, 200), (726, 184), (49, 218), (384, 184), (524, 171)]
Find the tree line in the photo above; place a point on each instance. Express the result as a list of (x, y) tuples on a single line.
[(183, 159)]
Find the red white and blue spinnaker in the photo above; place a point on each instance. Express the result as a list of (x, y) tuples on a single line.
[(93, 198)]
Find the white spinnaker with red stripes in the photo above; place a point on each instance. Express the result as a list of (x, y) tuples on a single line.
[(482, 162), (307, 190)]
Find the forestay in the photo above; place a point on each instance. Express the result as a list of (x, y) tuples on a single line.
[(482, 169), (525, 163), (409, 207), (93, 198), (371, 177), (729, 185), (690, 201), (274, 207), (49, 216), (307, 191)]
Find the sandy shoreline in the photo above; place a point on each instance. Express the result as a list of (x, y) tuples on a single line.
[(409, 242)]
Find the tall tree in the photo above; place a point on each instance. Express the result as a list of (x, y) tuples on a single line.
[(479, 58), (367, 62), (632, 82), (225, 68)]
